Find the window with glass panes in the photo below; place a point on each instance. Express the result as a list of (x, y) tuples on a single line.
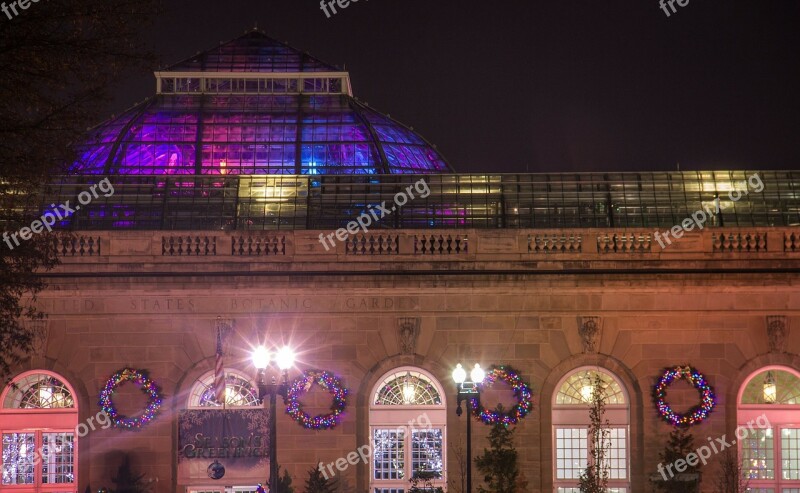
[(769, 402), (407, 429), (240, 391), (571, 439), (37, 438)]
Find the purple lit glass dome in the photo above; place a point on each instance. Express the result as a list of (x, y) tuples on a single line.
[(255, 106)]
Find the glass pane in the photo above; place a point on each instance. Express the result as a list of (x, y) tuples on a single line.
[(426, 451), (407, 388), (617, 460), (58, 458), (389, 454), (239, 392), (572, 452), (577, 389), (758, 450), (19, 451), (790, 453), (39, 391), (772, 387)]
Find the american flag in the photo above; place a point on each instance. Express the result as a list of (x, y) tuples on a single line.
[(219, 371)]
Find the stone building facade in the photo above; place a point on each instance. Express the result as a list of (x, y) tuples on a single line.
[(151, 301), (231, 218)]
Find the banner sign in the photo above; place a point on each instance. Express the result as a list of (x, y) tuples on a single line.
[(233, 436)]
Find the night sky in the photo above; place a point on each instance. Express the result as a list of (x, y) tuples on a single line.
[(518, 85)]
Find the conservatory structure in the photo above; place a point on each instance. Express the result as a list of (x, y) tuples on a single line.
[(254, 204)]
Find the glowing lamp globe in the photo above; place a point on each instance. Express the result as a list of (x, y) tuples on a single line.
[(261, 358), (459, 374), (285, 358), (770, 389), (477, 374)]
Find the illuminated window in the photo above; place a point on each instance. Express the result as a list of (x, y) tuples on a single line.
[(769, 433), (38, 391), (389, 454), (577, 388), (572, 443), (58, 458), (407, 388), (572, 453), (772, 387), (18, 458), (239, 391), (407, 426), (37, 428)]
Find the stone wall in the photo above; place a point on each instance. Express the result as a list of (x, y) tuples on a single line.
[(158, 312)]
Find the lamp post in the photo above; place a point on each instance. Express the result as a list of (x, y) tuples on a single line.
[(468, 390), (284, 359)]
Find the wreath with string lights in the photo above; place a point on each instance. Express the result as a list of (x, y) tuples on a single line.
[(327, 381), (522, 392), (147, 386), (696, 414)]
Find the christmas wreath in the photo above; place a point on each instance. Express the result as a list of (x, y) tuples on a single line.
[(521, 390), (147, 386), (327, 381), (696, 414)]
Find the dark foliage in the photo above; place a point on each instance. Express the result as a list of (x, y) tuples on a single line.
[(731, 477), (680, 445), (594, 479), (498, 463), (422, 482), (57, 62), (128, 482), (284, 482), (318, 483)]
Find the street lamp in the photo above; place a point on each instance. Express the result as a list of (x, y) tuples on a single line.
[(468, 390), (284, 359)]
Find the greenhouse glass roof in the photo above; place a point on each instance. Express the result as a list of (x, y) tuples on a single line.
[(255, 135), (538, 201), (255, 106)]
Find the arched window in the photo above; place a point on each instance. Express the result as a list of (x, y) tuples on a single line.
[(407, 426), (38, 421), (239, 391), (571, 440), (769, 430)]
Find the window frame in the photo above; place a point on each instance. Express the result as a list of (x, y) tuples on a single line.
[(397, 417), (404, 369), (40, 422), (576, 416), (780, 417), (199, 381)]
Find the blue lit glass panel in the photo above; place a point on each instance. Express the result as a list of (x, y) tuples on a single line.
[(396, 134), (254, 134)]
